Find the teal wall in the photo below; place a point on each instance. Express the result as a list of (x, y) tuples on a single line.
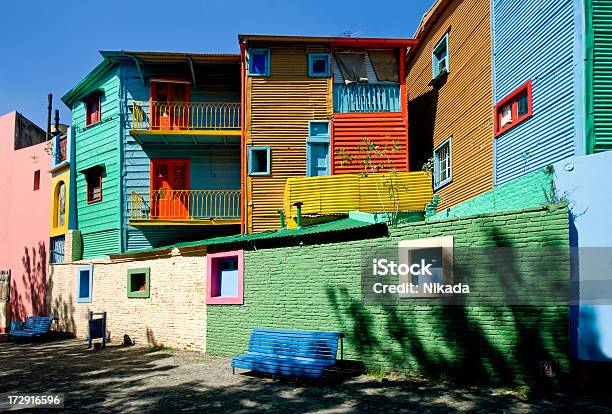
[(318, 287), (98, 144), (531, 190)]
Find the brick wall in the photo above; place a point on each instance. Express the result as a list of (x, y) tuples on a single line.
[(317, 287), (531, 190), (174, 315)]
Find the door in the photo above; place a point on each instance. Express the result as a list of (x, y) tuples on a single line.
[(170, 105), (170, 189), (318, 162)]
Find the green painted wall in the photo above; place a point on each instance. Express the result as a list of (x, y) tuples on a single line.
[(96, 144), (531, 190), (317, 287), (598, 34)]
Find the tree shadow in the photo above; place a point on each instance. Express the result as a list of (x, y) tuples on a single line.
[(28, 298)]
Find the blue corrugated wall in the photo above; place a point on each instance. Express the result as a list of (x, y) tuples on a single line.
[(535, 40), (212, 166)]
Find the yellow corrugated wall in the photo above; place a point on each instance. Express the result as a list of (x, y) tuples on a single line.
[(349, 192), (278, 109), (461, 107)]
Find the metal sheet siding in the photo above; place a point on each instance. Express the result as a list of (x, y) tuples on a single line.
[(100, 244), (601, 93), (95, 145), (544, 55), (350, 129), (278, 109), (212, 166), (460, 106), (342, 193)]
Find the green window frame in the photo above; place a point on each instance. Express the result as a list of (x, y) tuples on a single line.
[(134, 288)]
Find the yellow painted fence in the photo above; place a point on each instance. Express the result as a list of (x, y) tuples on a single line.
[(380, 192)]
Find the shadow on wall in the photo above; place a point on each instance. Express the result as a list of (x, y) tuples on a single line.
[(60, 307), (463, 343), (30, 298), (421, 120)]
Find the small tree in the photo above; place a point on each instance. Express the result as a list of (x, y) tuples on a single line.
[(376, 159)]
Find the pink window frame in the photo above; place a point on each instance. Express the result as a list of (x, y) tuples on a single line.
[(212, 280)]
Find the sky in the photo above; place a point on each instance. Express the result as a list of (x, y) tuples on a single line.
[(49, 46)]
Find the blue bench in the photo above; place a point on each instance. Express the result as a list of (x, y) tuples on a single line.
[(290, 353), (34, 326)]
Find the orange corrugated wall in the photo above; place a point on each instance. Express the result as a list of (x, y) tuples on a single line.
[(278, 109), (382, 129), (462, 107)]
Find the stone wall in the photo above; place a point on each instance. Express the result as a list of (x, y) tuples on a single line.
[(317, 287), (174, 315)]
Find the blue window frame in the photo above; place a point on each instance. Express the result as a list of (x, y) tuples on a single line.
[(440, 63), (259, 62), (259, 160), (319, 64), (317, 149), (443, 172), (84, 285)]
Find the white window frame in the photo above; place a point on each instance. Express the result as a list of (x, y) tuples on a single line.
[(437, 182), (405, 249)]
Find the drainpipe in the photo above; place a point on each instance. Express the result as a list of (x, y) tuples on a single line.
[(243, 202), (298, 219), (281, 215)]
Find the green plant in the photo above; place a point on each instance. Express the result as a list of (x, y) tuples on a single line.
[(376, 159)]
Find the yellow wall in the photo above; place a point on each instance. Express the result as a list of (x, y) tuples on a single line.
[(342, 193), (462, 106), (55, 181), (277, 110)]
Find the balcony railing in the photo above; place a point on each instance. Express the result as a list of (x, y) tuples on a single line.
[(185, 205), (359, 97), (188, 116), (379, 192)]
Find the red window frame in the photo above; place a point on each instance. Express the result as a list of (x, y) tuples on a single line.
[(513, 99), (93, 116), (89, 176), (36, 180)]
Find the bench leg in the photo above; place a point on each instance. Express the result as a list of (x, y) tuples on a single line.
[(233, 371)]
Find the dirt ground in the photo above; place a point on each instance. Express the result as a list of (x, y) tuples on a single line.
[(144, 380)]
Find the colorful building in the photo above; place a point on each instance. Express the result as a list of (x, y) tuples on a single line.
[(157, 149), (25, 187), (450, 94), (309, 104)]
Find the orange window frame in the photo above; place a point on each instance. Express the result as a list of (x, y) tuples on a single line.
[(513, 99)]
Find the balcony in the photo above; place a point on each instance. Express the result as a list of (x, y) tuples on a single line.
[(367, 97), (184, 207), (339, 194), (185, 118)]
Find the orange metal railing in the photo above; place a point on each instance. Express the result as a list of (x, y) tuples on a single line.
[(185, 205), (166, 116)]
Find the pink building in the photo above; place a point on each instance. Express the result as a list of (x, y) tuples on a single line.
[(24, 215)]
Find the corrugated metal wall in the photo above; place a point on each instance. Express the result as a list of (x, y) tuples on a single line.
[(348, 192), (382, 129), (600, 19), (461, 106), (277, 110), (534, 40), (95, 145)]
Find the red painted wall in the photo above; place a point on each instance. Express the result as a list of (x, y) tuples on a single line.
[(24, 220), (349, 130)]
